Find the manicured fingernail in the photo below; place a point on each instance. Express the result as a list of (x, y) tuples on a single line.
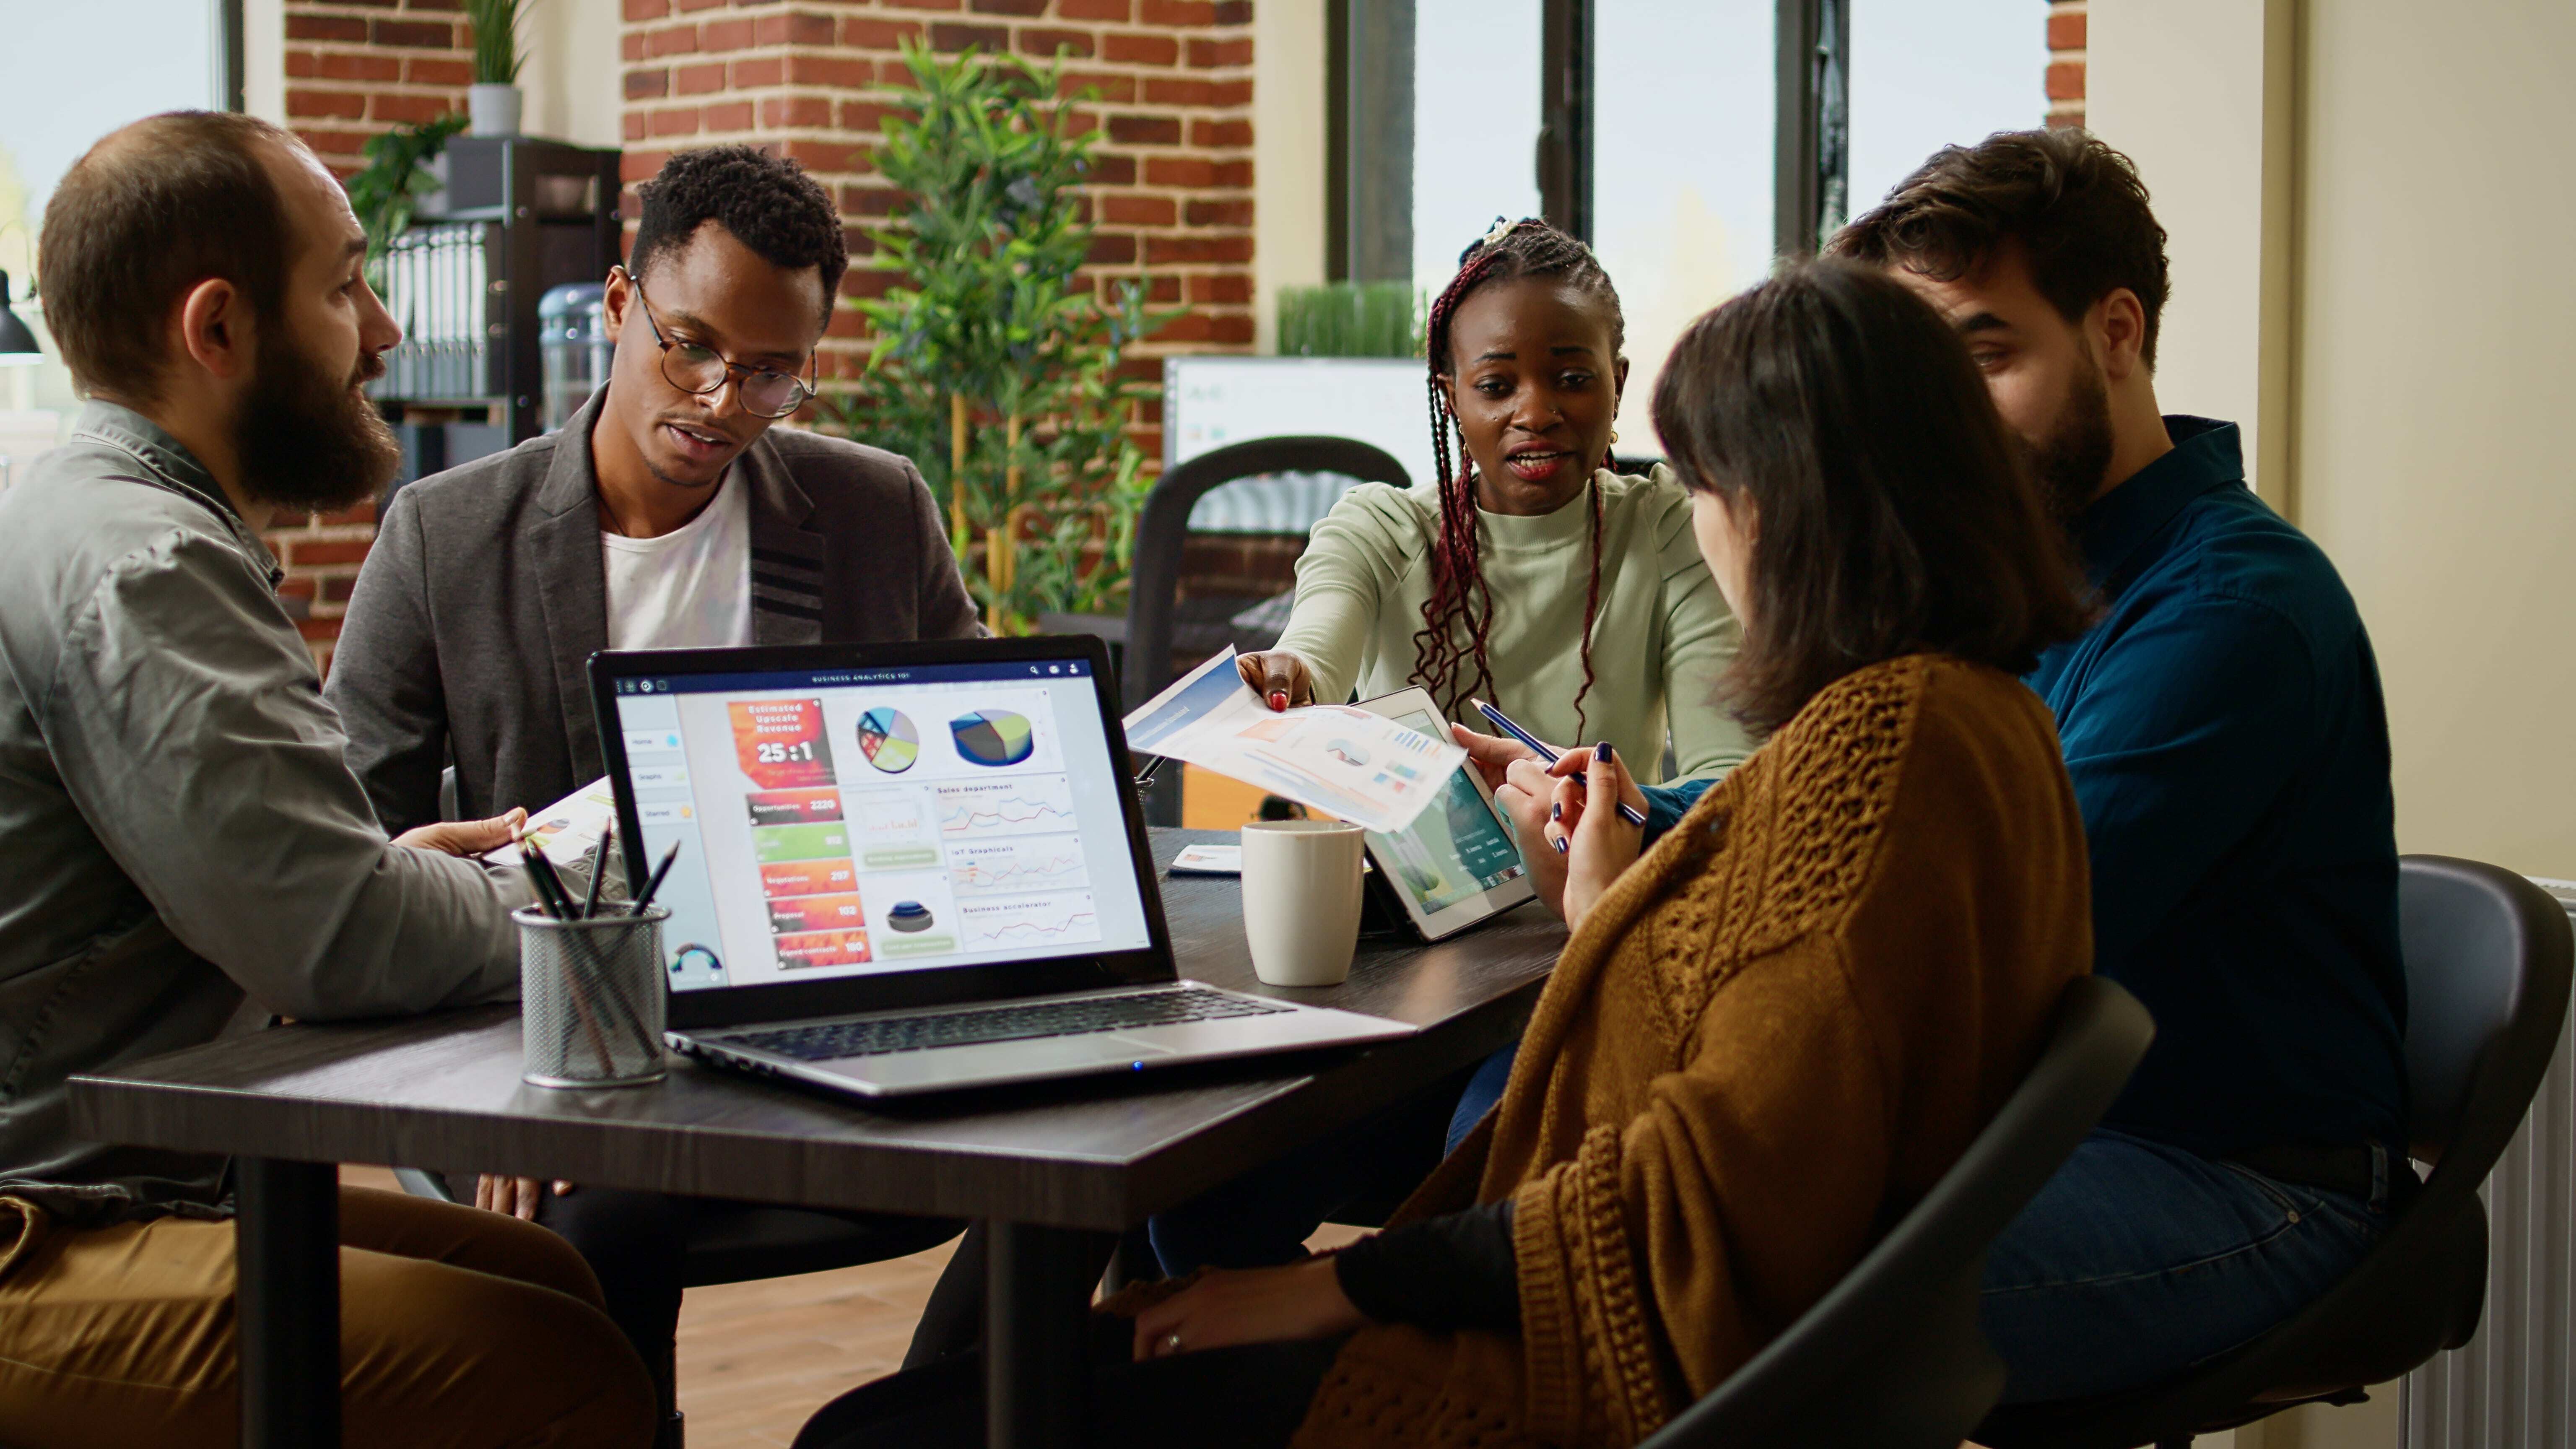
[(1278, 700), (1605, 754), (1556, 812), (1559, 843)]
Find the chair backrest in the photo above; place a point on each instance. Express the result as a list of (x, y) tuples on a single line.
[(2487, 958), (1154, 578), (1892, 1357), (2487, 964)]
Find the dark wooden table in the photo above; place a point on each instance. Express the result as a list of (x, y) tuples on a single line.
[(1049, 1168)]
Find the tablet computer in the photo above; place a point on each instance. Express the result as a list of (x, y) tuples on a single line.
[(1457, 863)]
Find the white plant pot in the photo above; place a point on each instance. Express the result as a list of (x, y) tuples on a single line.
[(493, 110)]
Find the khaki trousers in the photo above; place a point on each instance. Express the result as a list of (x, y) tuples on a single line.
[(457, 1327)]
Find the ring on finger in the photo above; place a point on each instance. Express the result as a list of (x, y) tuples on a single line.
[(1172, 1342)]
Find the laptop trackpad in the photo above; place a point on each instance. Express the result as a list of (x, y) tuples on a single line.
[(998, 1061)]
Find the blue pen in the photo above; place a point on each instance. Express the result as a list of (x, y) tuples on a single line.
[(1503, 722)]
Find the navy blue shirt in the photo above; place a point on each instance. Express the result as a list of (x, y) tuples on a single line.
[(2223, 725)]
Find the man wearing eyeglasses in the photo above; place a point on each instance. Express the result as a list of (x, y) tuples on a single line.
[(666, 514)]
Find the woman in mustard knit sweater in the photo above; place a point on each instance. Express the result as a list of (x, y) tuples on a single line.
[(1768, 1037)]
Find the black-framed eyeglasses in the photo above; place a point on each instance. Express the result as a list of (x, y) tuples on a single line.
[(694, 368)]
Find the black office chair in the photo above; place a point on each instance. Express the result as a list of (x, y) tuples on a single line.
[(1892, 1358), (1153, 581), (2487, 962)]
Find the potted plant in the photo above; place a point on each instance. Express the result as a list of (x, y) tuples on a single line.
[(493, 100), (997, 366), (398, 173)]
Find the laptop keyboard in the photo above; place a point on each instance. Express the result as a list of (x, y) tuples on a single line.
[(833, 1040)]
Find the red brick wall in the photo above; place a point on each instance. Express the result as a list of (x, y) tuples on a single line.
[(2066, 62), (358, 67), (355, 68), (1173, 191)]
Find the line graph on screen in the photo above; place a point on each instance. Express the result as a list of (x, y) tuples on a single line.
[(1052, 862), (1043, 920), (1024, 805)]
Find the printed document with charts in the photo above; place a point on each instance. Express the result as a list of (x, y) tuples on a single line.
[(1365, 768)]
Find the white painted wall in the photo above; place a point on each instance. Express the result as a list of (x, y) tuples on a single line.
[(2432, 445), (264, 59), (2197, 93), (571, 74), (1288, 162)]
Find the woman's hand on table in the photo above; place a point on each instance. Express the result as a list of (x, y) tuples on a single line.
[(1279, 676), (1232, 1306), (466, 837), (516, 1196), (1595, 845)]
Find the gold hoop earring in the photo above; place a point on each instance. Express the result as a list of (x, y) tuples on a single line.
[(1614, 435)]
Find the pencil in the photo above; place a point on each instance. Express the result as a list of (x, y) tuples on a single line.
[(1503, 722)]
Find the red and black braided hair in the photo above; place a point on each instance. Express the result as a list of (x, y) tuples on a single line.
[(1449, 667)]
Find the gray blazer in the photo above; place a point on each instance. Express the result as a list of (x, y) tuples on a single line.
[(485, 595)]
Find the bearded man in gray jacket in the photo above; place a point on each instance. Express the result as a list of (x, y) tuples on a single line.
[(183, 849)]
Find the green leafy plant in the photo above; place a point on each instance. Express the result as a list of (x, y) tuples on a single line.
[(496, 38), (384, 192), (997, 366), (1351, 319)]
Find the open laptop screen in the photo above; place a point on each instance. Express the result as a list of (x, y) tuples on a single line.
[(845, 822)]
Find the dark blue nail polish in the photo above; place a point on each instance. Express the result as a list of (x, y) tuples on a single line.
[(1605, 754), (1559, 843), (1556, 812)]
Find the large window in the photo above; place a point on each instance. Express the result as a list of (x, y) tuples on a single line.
[(1682, 195), (1691, 141), (69, 74)]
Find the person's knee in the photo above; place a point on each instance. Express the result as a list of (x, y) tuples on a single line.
[(464, 1237), (592, 1391), (428, 1348)]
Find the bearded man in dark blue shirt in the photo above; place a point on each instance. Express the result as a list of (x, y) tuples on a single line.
[(2223, 725)]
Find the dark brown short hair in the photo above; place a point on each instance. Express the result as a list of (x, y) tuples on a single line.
[(2075, 206), (1893, 513), (147, 214)]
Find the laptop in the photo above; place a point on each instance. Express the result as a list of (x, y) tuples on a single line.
[(911, 868)]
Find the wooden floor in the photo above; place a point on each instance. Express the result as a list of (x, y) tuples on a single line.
[(757, 1358)]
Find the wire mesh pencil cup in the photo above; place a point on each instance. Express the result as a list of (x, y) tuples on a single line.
[(590, 998)]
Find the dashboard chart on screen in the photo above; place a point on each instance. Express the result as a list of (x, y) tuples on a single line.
[(834, 823)]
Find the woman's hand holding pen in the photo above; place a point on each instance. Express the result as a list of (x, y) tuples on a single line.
[(1595, 845), (1279, 676), (1524, 790)]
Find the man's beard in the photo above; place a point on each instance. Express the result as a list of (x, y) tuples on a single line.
[(307, 441), (2071, 461)]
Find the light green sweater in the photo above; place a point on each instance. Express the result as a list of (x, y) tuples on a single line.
[(1661, 636)]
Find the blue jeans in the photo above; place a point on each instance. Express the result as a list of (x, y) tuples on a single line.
[(2139, 1260)]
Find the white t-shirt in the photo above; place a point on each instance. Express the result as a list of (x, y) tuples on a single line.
[(688, 589)]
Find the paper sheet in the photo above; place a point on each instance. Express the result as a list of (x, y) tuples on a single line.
[(568, 830), (1347, 762)]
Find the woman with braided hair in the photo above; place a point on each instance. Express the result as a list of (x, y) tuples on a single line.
[(1528, 573), (1766, 1039)]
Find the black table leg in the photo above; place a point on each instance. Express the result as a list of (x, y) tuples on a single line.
[(287, 1246), (1037, 1304)]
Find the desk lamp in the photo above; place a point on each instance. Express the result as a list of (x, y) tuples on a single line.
[(17, 344)]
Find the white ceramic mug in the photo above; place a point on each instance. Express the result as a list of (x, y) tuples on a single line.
[(1301, 900)]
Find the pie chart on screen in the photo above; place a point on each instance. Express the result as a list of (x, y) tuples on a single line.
[(992, 736), (887, 738)]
